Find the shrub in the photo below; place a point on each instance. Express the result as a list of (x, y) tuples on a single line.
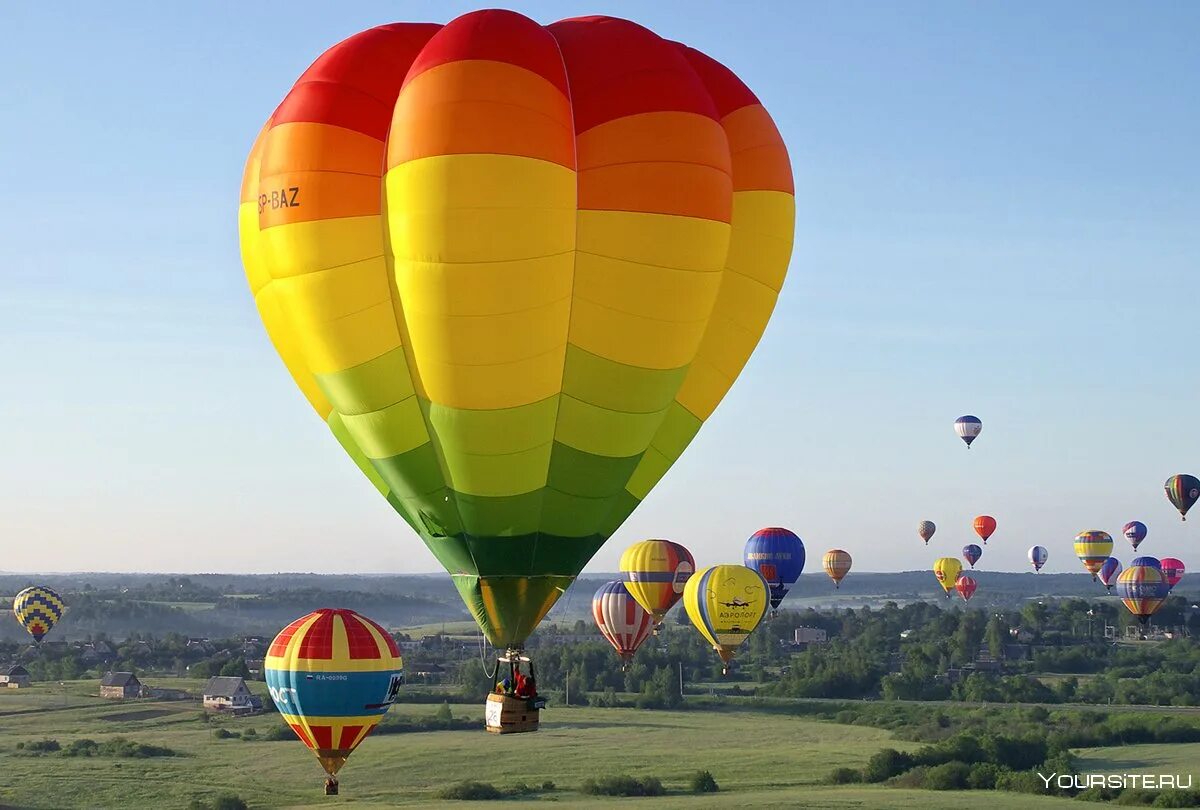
[(948, 776), (470, 791), (845, 776), (40, 746), (1135, 798), (443, 713), (703, 782), (1020, 782), (223, 734), (229, 802), (548, 786), (912, 778), (249, 733), (885, 764), (1178, 798), (623, 786), (983, 776), (276, 733)]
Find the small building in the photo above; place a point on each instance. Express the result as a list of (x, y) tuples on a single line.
[(15, 677), (230, 694), (810, 635), (120, 686)]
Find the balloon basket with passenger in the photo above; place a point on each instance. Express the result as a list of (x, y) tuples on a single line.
[(514, 705)]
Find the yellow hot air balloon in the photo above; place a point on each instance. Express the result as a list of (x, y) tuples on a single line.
[(726, 603), (947, 569), (514, 268), (836, 564), (656, 572), (1092, 548)]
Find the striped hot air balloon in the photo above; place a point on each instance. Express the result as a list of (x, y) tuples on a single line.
[(968, 428), (778, 556), (1135, 533), (971, 553), (1092, 548), (1183, 491), (38, 609), (1038, 556), (836, 564), (620, 619), (966, 585), (656, 572), (947, 569), (1143, 589), (333, 674), (985, 527), (515, 267), (925, 530), (1108, 573), (1172, 569), (726, 603)]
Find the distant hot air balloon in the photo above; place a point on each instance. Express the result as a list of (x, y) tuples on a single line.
[(1109, 572), (836, 564), (971, 553), (1183, 491), (655, 574), (621, 620), (38, 609), (1038, 556), (333, 674), (1172, 569), (985, 526), (1143, 589), (925, 530), (1151, 562), (968, 428), (966, 585), (726, 603), (515, 267), (1093, 548), (947, 569), (778, 557), (1135, 533)]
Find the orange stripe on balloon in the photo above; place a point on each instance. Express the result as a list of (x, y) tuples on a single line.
[(481, 107), (309, 196), (760, 158), (301, 147), (658, 188), (253, 162)]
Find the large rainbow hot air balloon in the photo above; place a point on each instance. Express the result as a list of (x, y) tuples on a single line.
[(1093, 548), (1135, 533), (620, 619), (38, 609), (1172, 568), (778, 557), (333, 674), (1108, 573), (836, 564), (1143, 589), (655, 574), (1183, 491), (726, 603), (985, 527), (515, 268), (947, 569)]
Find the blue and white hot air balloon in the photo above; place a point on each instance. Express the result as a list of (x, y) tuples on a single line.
[(1038, 556), (968, 428)]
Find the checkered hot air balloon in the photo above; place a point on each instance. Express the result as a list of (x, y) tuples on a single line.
[(621, 620), (515, 267), (333, 674), (925, 530), (38, 609)]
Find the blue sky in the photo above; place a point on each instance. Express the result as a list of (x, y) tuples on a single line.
[(997, 214)]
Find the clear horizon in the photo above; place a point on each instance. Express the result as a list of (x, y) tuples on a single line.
[(996, 215)]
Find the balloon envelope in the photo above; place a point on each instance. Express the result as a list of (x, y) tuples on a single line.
[(1143, 589), (38, 609), (985, 526), (966, 585), (333, 674), (726, 603), (1172, 569), (1093, 548), (971, 553), (655, 574), (1135, 533), (1152, 562), (1038, 556), (836, 564), (1109, 572), (947, 569), (1183, 491), (620, 619), (778, 557), (968, 428), (515, 277), (925, 530)]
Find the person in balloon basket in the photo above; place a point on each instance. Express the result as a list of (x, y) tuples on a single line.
[(331, 786), (526, 689)]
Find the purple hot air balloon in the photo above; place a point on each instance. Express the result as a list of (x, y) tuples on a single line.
[(1135, 533), (972, 553), (1109, 571)]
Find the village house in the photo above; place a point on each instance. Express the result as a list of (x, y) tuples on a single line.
[(15, 677), (120, 686), (230, 694)]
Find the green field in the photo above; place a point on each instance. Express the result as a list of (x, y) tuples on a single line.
[(1181, 758), (759, 759)]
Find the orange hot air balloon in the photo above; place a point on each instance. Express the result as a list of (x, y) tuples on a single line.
[(836, 564), (985, 525)]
